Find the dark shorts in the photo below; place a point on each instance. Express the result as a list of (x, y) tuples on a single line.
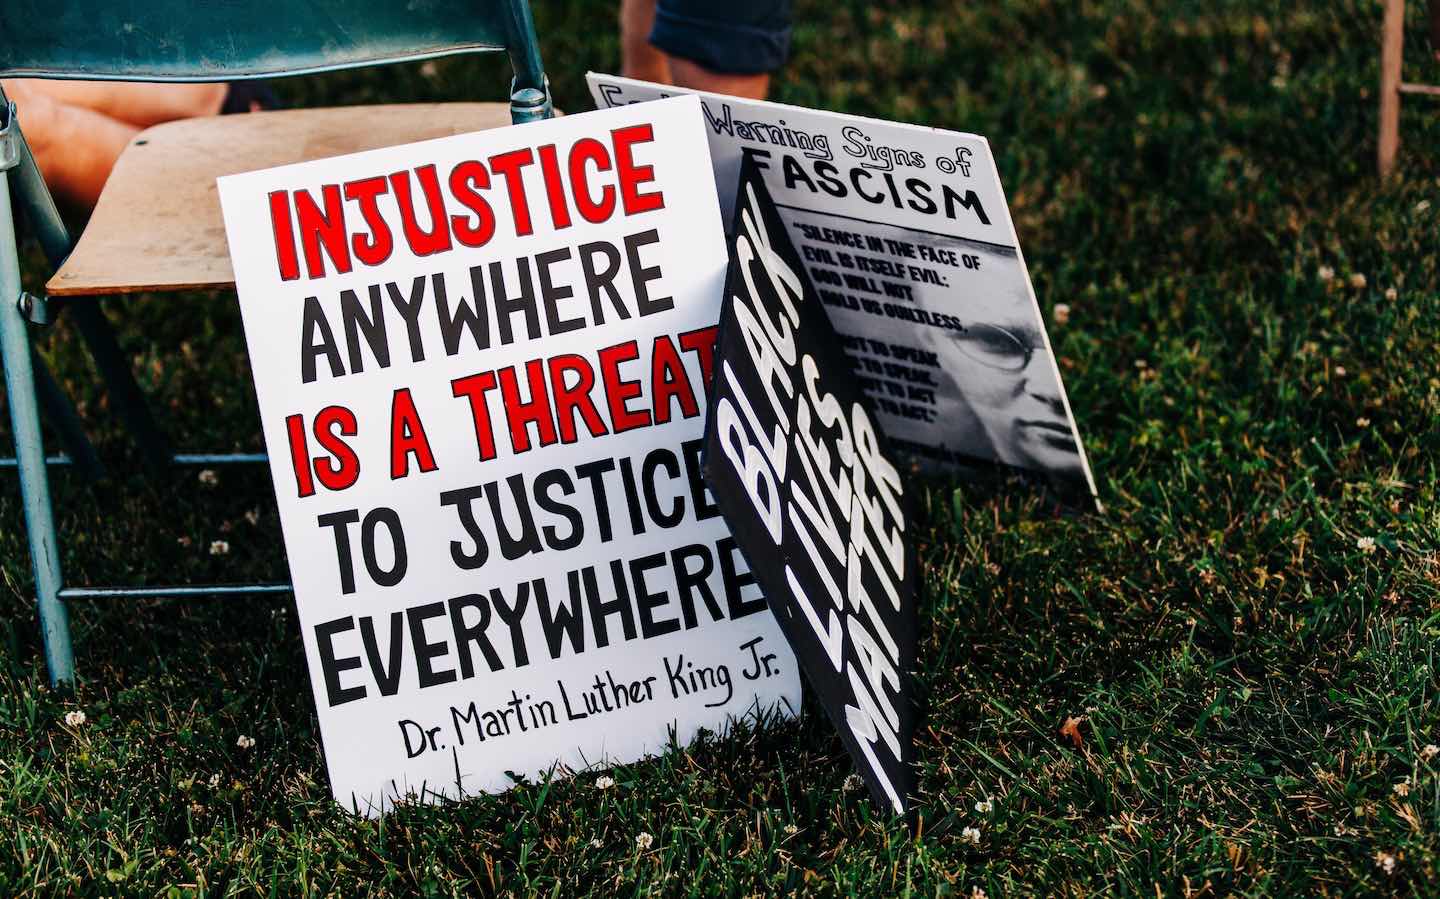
[(738, 37)]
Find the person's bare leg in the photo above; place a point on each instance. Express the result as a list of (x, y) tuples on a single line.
[(74, 147), (638, 57), (137, 103), (697, 77)]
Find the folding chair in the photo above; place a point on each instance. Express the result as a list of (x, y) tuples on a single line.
[(130, 246)]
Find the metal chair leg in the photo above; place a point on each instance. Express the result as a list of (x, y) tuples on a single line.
[(30, 455)]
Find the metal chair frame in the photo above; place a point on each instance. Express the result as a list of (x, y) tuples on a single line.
[(30, 387)]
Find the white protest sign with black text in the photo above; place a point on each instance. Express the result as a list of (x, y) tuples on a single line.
[(907, 236), (481, 365)]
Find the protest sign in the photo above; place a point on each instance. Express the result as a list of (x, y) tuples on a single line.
[(805, 479), (481, 364), (907, 236)]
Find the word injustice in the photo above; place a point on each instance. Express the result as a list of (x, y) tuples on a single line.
[(358, 222)]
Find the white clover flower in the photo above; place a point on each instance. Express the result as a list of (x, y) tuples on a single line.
[(245, 742), (1325, 273), (791, 829), (1366, 545), (1061, 313), (852, 783), (604, 782), (1340, 371), (1358, 281), (1402, 789), (985, 806), (214, 781), (75, 718), (1391, 294), (1386, 861), (971, 835), (1362, 422), (208, 477), (1422, 206), (1429, 752), (643, 840), (219, 547), (595, 843), (978, 893)]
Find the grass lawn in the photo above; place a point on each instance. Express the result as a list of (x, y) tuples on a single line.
[(1247, 634)]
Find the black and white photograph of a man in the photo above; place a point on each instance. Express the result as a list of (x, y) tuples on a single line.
[(997, 396), (1004, 399)]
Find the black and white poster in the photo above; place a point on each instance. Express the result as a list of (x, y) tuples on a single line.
[(906, 234), (804, 475)]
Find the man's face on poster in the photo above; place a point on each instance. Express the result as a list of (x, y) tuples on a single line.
[(1000, 365)]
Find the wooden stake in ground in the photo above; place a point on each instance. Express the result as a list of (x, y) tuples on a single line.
[(1391, 51)]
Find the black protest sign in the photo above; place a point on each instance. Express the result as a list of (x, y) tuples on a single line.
[(805, 480)]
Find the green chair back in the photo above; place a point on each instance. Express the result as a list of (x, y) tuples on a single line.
[(223, 40)]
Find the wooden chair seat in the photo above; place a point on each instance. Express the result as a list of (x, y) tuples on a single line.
[(157, 225)]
